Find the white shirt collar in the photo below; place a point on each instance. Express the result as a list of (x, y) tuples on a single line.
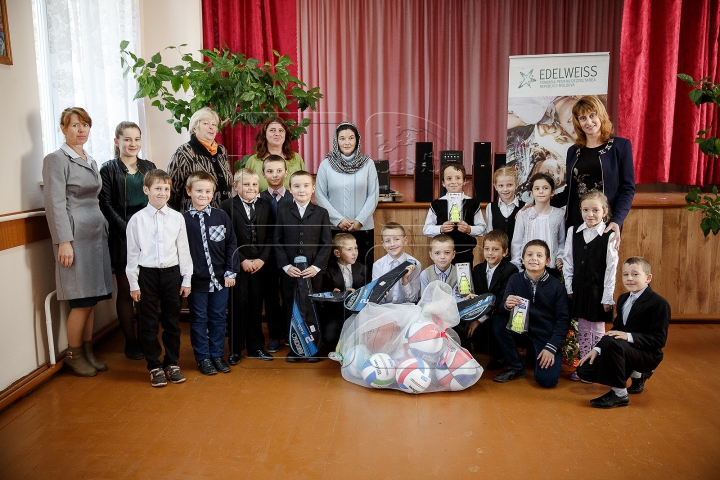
[(514, 203), (635, 296), (464, 197), (599, 228), (152, 210), (280, 191), (446, 272)]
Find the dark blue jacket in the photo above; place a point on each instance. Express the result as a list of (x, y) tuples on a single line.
[(618, 178), (221, 250), (548, 317)]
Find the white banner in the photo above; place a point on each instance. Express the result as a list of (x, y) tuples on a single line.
[(541, 93)]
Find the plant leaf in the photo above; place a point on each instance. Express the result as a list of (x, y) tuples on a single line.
[(124, 44)]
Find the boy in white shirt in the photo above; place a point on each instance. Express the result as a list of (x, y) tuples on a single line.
[(159, 267), (394, 241)]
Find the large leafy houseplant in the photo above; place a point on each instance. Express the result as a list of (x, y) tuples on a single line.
[(241, 90), (705, 91)]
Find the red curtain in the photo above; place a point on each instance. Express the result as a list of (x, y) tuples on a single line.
[(423, 70), (255, 28), (660, 40)]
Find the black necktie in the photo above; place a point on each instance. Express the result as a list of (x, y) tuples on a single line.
[(275, 203), (251, 215)]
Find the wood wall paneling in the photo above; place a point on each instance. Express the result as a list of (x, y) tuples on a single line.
[(22, 231), (684, 262)]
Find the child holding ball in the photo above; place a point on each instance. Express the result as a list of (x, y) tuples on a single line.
[(589, 269), (543, 222)]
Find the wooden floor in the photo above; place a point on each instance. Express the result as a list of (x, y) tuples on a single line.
[(277, 421)]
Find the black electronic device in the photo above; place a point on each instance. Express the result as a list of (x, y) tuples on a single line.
[(383, 172), (482, 171), (448, 156), (424, 172)]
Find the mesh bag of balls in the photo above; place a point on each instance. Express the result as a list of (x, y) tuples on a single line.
[(411, 348)]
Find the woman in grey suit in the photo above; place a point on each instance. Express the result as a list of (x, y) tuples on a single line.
[(79, 235)]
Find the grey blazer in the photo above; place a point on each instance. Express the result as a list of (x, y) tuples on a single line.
[(72, 209)]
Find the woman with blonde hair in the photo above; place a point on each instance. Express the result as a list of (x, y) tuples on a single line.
[(202, 153)]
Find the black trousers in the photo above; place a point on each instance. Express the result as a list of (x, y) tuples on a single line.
[(245, 311), (270, 279), (332, 317), (159, 284), (616, 362)]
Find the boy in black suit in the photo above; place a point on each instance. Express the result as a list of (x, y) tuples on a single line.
[(492, 276), (251, 221), (274, 171), (635, 342), (303, 228), (343, 274)]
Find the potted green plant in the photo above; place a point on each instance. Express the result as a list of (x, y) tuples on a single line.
[(705, 91), (241, 90)]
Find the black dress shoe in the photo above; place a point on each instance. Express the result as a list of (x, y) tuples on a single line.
[(234, 358), (292, 357), (206, 367), (133, 351), (220, 365), (610, 400), (509, 375), (637, 385), (495, 364), (260, 355), (314, 359)]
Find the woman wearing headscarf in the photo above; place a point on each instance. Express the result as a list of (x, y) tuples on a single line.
[(347, 187)]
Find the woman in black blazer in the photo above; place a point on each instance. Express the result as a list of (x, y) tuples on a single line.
[(121, 196)]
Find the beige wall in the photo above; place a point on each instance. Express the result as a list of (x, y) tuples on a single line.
[(168, 23), (26, 272)]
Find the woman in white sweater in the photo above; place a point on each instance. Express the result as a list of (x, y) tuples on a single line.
[(347, 187)]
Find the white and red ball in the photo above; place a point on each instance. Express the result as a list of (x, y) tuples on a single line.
[(424, 340), (413, 375), (457, 370), (379, 370)]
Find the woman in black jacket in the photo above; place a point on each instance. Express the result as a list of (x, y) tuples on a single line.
[(121, 197)]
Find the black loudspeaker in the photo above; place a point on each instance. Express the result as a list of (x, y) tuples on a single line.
[(448, 156), (500, 160), (383, 172), (482, 171), (424, 172)]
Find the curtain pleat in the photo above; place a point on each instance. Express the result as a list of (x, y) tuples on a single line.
[(660, 40), (408, 71)]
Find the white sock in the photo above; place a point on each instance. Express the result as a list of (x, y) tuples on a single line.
[(635, 374), (620, 392)]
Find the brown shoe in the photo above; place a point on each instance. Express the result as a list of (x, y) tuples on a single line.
[(99, 366), (77, 363)]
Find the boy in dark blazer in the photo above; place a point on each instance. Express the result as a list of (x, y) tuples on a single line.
[(274, 172), (343, 274), (254, 231), (633, 348), (303, 228), (499, 269)]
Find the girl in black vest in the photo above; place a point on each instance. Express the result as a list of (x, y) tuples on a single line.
[(463, 229), (501, 212), (589, 267)]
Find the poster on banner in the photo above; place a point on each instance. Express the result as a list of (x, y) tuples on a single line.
[(541, 93)]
